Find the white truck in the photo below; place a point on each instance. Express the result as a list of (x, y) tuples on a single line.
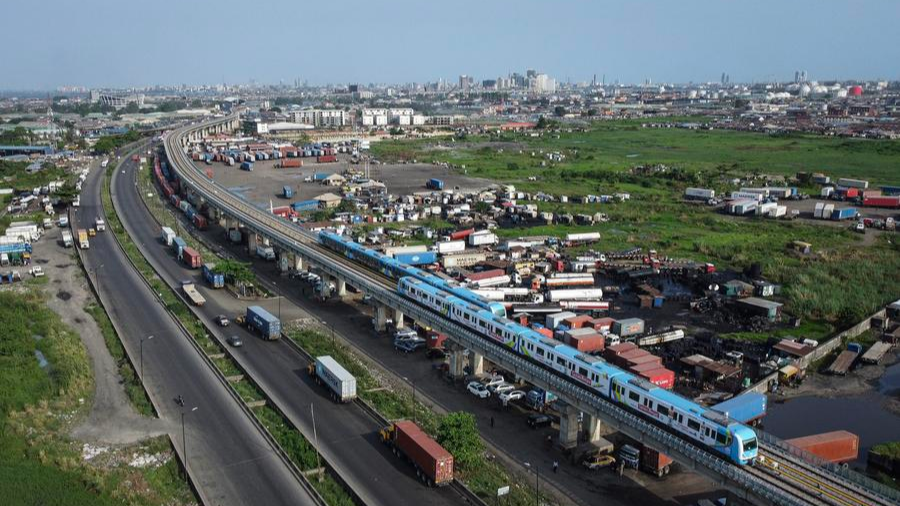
[(99, 224), (67, 240), (265, 252), (327, 371)]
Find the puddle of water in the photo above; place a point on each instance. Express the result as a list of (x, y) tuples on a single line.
[(42, 360), (63, 295), (890, 380), (863, 415)]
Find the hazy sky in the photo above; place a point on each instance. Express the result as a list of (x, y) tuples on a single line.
[(48, 43)]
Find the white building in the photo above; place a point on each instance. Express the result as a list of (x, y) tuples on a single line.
[(542, 83), (396, 116), (321, 118)]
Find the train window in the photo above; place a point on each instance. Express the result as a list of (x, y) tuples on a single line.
[(634, 396), (540, 351), (663, 410), (693, 424), (721, 439), (560, 361)]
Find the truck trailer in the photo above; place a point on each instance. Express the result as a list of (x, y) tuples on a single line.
[(433, 464), (262, 321), (329, 372)]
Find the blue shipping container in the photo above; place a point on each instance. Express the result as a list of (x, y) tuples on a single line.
[(306, 205), (421, 258), (744, 408), (318, 176), (247, 166), (435, 184), (214, 280), (890, 190), (264, 322), (178, 245), (843, 214)]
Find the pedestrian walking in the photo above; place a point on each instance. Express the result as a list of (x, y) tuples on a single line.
[(555, 466), (492, 422)]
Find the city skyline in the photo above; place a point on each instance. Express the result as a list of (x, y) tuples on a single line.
[(131, 46)]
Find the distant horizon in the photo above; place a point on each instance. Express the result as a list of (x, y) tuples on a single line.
[(120, 45)]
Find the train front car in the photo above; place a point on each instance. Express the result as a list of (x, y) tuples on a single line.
[(745, 447)]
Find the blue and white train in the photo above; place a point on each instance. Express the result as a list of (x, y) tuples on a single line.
[(734, 440)]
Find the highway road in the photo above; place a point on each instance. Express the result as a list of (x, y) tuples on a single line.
[(229, 459), (270, 363), (347, 435)]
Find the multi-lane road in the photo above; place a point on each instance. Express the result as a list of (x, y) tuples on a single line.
[(229, 459), (347, 435)]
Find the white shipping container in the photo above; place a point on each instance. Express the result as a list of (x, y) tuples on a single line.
[(700, 193), (575, 294), (482, 239), (756, 191), (826, 211), (778, 212), (451, 247), (585, 236), (168, 235), (399, 250), (495, 281), (766, 208), (820, 208), (827, 192), (746, 195), (553, 320), (853, 183), (341, 383)]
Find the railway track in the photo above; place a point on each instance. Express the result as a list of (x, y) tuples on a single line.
[(805, 481)]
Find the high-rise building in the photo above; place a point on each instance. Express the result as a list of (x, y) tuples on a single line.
[(466, 82)]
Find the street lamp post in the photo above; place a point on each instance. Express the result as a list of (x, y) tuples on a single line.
[(537, 483), (142, 354), (312, 414), (184, 439)]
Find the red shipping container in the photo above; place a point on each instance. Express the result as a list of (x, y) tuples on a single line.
[(290, 163), (600, 324), (838, 446), (587, 344), (640, 360), (191, 257), (661, 377), (426, 453), (577, 322), (639, 368), (200, 221), (613, 352), (460, 234), (889, 202), (544, 331), (867, 194), (654, 462), (326, 159), (851, 193), (435, 339), (479, 276)]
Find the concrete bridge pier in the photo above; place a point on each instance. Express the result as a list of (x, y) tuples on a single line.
[(398, 318), (298, 262), (457, 362), (380, 318), (341, 286), (591, 427), (568, 426), (252, 241), (476, 363)]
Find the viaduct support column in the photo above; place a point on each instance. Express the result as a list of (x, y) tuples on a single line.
[(591, 427), (568, 426), (398, 318), (298, 262), (457, 363), (380, 318), (476, 363), (284, 261), (341, 287), (252, 240)]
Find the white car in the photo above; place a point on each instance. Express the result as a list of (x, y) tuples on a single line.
[(492, 381), (36, 271), (511, 395), (478, 389), (501, 388)]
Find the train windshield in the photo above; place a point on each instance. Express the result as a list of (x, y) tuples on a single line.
[(750, 445)]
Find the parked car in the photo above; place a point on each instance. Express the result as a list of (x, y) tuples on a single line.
[(235, 341), (537, 420), (478, 389), (599, 461), (435, 353), (511, 395), (492, 381), (408, 345), (36, 271), (501, 388), (221, 320), (405, 333)]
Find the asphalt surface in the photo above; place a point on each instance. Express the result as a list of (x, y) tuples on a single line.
[(347, 435), (229, 459)]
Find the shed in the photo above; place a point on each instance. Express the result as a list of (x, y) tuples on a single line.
[(760, 307), (737, 288), (329, 200)]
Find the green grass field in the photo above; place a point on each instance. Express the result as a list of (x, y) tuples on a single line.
[(39, 404), (840, 284)]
